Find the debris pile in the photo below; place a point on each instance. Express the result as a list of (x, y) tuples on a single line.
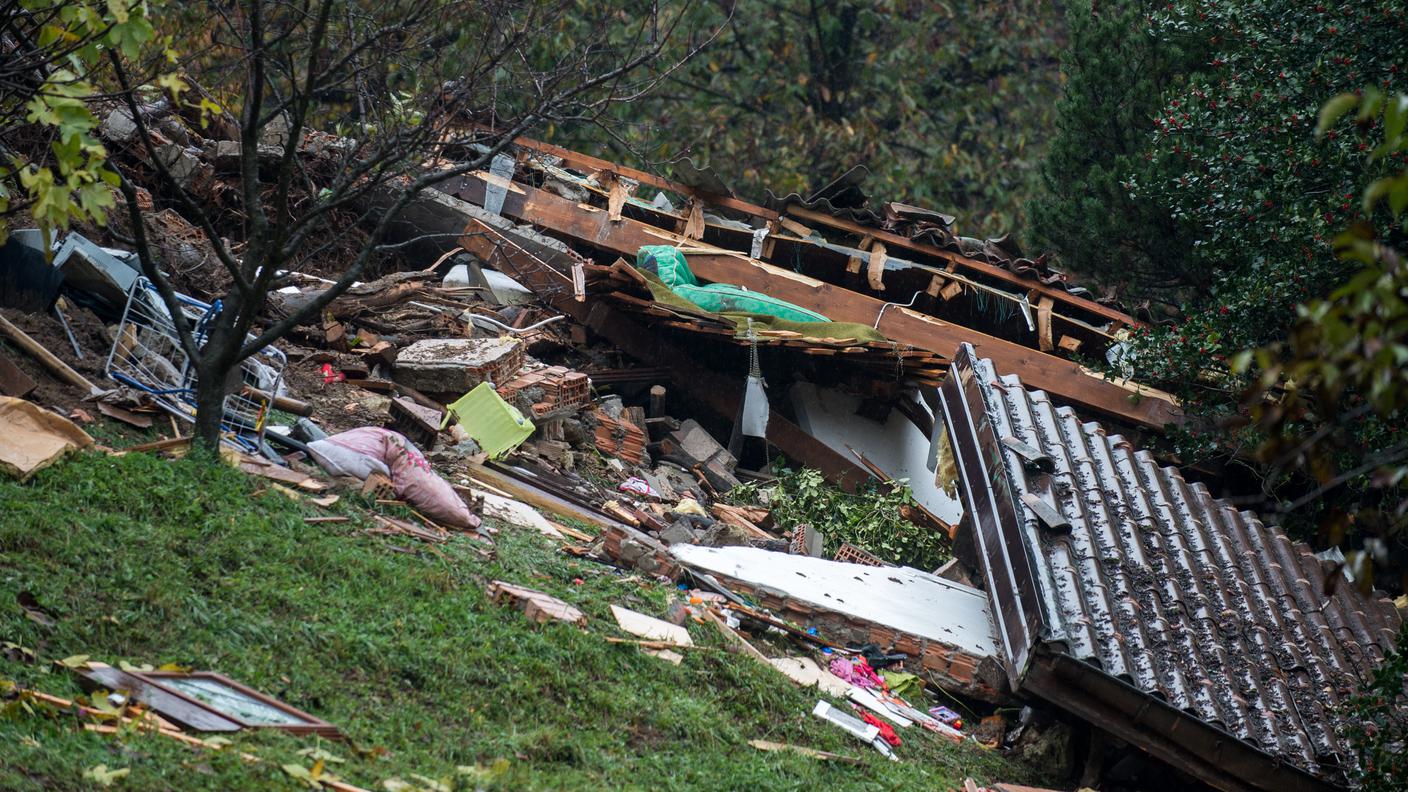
[(622, 376)]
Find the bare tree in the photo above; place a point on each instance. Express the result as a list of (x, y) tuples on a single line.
[(417, 92)]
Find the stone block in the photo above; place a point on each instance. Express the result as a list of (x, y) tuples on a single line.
[(456, 365)]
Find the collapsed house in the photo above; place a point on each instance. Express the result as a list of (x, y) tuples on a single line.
[(1118, 592), (870, 344)]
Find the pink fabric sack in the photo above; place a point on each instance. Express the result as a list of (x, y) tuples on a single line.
[(411, 475)]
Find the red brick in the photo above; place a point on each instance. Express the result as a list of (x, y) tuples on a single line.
[(962, 668)]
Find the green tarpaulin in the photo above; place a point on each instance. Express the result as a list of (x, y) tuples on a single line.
[(673, 283)]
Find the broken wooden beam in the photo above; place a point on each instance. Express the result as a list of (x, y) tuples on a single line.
[(590, 164), (588, 225), (719, 394), (285, 403), (970, 264)]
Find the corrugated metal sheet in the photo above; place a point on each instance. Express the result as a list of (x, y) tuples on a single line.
[(1154, 582)]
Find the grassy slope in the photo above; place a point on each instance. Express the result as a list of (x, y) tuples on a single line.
[(151, 561)]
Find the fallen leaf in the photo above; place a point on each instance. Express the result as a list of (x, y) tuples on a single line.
[(16, 653), (321, 755), (432, 784), (103, 776), (34, 611), (74, 661)]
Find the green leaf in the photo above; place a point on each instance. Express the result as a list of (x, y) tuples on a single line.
[(1395, 119), (1332, 110)]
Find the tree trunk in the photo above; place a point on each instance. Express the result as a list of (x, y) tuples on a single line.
[(210, 408)]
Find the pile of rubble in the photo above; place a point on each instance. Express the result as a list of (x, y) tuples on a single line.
[(534, 375)]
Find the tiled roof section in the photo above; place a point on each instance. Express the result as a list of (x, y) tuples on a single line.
[(1161, 585)]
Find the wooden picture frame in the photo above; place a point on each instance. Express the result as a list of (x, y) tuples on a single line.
[(209, 701), (278, 715)]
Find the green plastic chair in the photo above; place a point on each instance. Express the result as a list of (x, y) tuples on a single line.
[(497, 426)]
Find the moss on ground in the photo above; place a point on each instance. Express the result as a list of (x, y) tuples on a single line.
[(143, 560)]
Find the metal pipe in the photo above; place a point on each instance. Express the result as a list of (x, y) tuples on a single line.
[(68, 331), (883, 308)]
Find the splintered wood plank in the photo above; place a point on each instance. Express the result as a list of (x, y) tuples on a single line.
[(1043, 324), (650, 628), (767, 745), (875, 269), (805, 672), (694, 225), (589, 164)]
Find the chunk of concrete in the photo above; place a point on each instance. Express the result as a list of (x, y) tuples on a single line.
[(455, 365), (183, 165), (699, 447), (679, 532), (118, 127)]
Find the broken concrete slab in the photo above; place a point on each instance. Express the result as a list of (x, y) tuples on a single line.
[(946, 627), (118, 127), (183, 165), (226, 155), (457, 365), (650, 628), (679, 532), (699, 447)]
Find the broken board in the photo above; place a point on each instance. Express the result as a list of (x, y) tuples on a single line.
[(650, 628), (805, 672), (536, 605)]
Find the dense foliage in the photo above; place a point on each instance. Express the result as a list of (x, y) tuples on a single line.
[(1379, 730), (1330, 398), (946, 104), (1230, 202), (1257, 196), (871, 519), (47, 51), (1116, 75)]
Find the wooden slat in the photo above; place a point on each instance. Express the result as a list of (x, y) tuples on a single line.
[(590, 164), (970, 264), (1062, 378)]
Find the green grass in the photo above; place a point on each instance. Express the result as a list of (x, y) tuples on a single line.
[(150, 561)]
